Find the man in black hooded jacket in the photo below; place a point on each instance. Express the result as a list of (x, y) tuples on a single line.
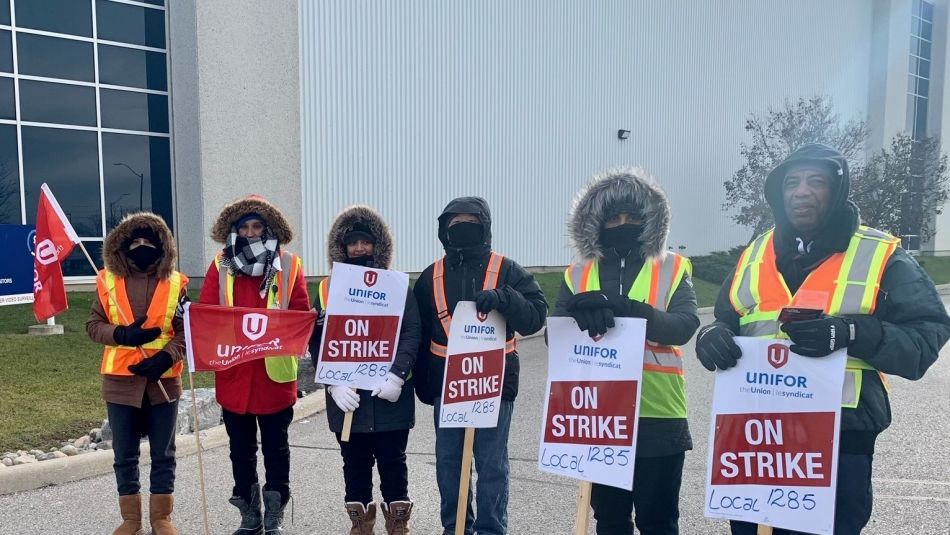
[(465, 233), (898, 328)]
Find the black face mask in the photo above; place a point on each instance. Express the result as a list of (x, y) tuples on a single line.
[(363, 261), (143, 256), (466, 234), (624, 238)]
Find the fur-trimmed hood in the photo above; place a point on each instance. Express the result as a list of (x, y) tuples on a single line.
[(360, 213), (115, 245), (593, 203), (233, 211)]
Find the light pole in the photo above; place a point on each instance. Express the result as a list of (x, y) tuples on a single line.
[(141, 182)]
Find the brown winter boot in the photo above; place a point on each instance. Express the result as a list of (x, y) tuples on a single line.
[(130, 507), (397, 517), (363, 517), (160, 508)]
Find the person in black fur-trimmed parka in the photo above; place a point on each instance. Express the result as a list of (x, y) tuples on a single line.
[(619, 224), (382, 417)]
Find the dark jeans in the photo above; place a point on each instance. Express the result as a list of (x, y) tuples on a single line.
[(853, 501), (242, 432), (490, 456), (129, 425), (388, 449), (656, 497)]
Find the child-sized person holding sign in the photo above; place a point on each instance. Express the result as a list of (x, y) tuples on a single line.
[(382, 417)]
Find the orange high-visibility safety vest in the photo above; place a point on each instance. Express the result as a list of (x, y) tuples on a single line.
[(279, 369), (161, 311), (845, 283), (442, 306), (664, 386)]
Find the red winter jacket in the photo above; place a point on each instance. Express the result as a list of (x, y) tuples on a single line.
[(246, 388)]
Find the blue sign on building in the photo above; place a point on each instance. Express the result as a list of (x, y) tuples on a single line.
[(16, 264)]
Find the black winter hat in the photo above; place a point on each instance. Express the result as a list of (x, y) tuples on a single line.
[(148, 234), (360, 231)]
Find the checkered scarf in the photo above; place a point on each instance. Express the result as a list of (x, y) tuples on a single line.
[(254, 257)]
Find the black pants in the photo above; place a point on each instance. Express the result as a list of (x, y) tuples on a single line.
[(129, 425), (656, 496), (242, 432), (388, 450), (853, 500)]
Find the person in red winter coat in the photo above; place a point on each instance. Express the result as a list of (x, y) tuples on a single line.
[(253, 270)]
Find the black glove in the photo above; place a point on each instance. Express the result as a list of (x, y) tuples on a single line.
[(153, 367), (592, 311), (487, 300), (715, 348), (134, 335), (180, 309), (624, 307), (820, 337)]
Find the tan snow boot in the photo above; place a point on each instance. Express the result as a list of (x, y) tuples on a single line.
[(130, 507), (160, 508), (362, 517), (397, 517)]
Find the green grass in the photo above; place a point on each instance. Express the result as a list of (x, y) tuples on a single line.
[(50, 390), (938, 267)]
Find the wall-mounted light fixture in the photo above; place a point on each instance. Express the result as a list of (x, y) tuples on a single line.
[(623, 134)]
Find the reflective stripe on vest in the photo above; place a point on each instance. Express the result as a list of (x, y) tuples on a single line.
[(664, 387), (161, 311), (845, 283), (442, 306), (323, 292), (279, 369)]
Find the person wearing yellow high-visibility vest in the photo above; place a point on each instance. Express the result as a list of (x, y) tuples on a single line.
[(134, 318), (618, 225), (876, 300), (255, 270), (472, 271)]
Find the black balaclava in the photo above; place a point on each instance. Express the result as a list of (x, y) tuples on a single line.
[(622, 238), (466, 234), (143, 256), (360, 231)]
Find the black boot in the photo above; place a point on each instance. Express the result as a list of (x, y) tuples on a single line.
[(274, 505), (252, 522)]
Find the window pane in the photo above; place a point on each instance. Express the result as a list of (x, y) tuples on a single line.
[(130, 24), (923, 87), (5, 12), (911, 112), (155, 2), (924, 49), (7, 99), (137, 176), (61, 16), (48, 102), (6, 51), (915, 23), (67, 160), (134, 111), (923, 68), (9, 176), (926, 30), (52, 57), (76, 265), (927, 11), (133, 68), (920, 119)]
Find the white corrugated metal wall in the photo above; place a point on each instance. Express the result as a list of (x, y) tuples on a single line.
[(406, 105)]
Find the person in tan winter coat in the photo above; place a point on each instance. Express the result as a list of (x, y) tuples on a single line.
[(144, 343)]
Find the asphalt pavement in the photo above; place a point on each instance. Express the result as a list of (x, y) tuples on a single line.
[(911, 472)]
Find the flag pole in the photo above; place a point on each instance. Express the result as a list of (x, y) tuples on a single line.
[(124, 319), (461, 511), (201, 469)]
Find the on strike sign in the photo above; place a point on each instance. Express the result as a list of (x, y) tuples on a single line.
[(773, 438), (591, 412), (363, 318), (474, 369)]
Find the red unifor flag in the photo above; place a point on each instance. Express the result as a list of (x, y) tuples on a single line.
[(220, 337), (55, 240)]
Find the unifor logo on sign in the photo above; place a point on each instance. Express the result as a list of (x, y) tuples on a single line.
[(482, 316), (778, 355), (370, 278), (254, 325), (46, 252)]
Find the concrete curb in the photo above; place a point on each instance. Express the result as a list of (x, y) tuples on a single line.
[(31, 476)]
